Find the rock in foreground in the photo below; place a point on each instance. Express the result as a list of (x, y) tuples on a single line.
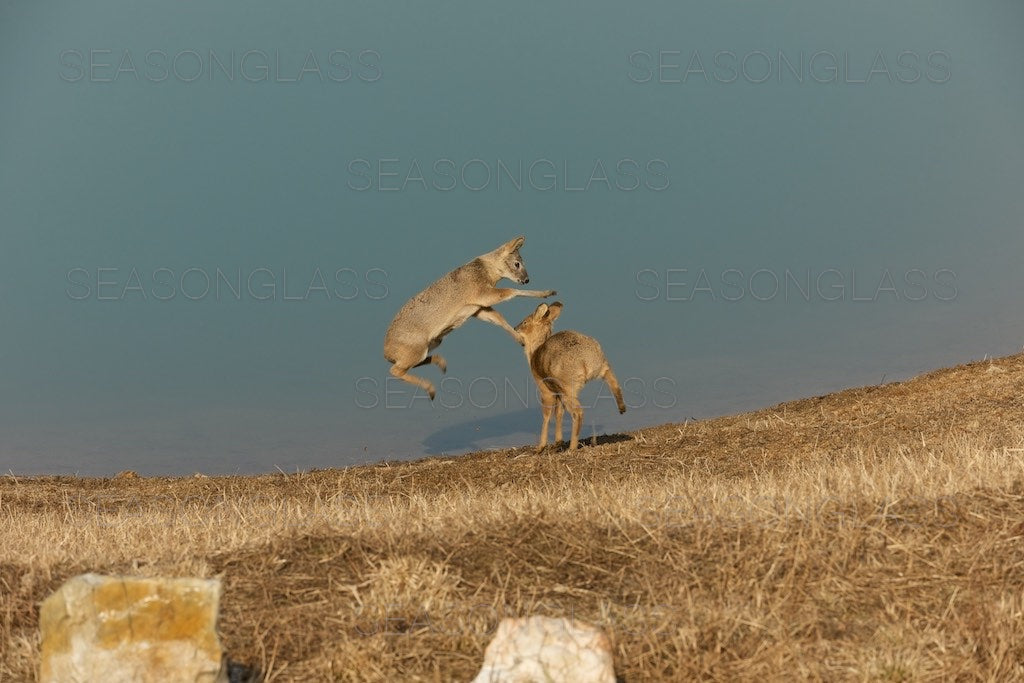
[(131, 630), (548, 650)]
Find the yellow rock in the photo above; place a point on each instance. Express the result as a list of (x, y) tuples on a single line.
[(131, 630)]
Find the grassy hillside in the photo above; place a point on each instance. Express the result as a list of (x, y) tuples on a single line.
[(871, 534)]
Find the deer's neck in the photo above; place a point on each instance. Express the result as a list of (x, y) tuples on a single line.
[(530, 348), (490, 271)]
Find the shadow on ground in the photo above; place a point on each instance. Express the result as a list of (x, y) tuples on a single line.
[(471, 435)]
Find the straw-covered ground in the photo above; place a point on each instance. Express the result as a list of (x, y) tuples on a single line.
[(872, 534)]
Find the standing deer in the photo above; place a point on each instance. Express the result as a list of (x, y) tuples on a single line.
[(561, 364)]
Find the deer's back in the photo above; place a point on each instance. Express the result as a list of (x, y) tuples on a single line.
[(569, 356), (440, 307)]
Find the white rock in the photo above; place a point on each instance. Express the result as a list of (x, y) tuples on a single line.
[(547, 650), (111, 629)]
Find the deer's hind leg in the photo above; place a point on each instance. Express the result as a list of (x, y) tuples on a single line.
[(434, 359), (411, 358), (608, 376), (559, 411)]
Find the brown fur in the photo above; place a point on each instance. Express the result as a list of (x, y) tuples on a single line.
[(468, 291), (561, 364)]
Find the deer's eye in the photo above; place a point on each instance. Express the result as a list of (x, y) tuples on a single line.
[(516, 265)]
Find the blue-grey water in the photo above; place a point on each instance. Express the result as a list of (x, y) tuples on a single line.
[(209, 214)]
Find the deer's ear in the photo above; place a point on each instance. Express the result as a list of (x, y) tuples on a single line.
[(512, 245), (541, 311), (554, 310)]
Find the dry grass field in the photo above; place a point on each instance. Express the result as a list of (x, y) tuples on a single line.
[(871, 534)]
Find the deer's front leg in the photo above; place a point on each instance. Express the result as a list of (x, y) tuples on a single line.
[(499, 294), (492, 316)]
